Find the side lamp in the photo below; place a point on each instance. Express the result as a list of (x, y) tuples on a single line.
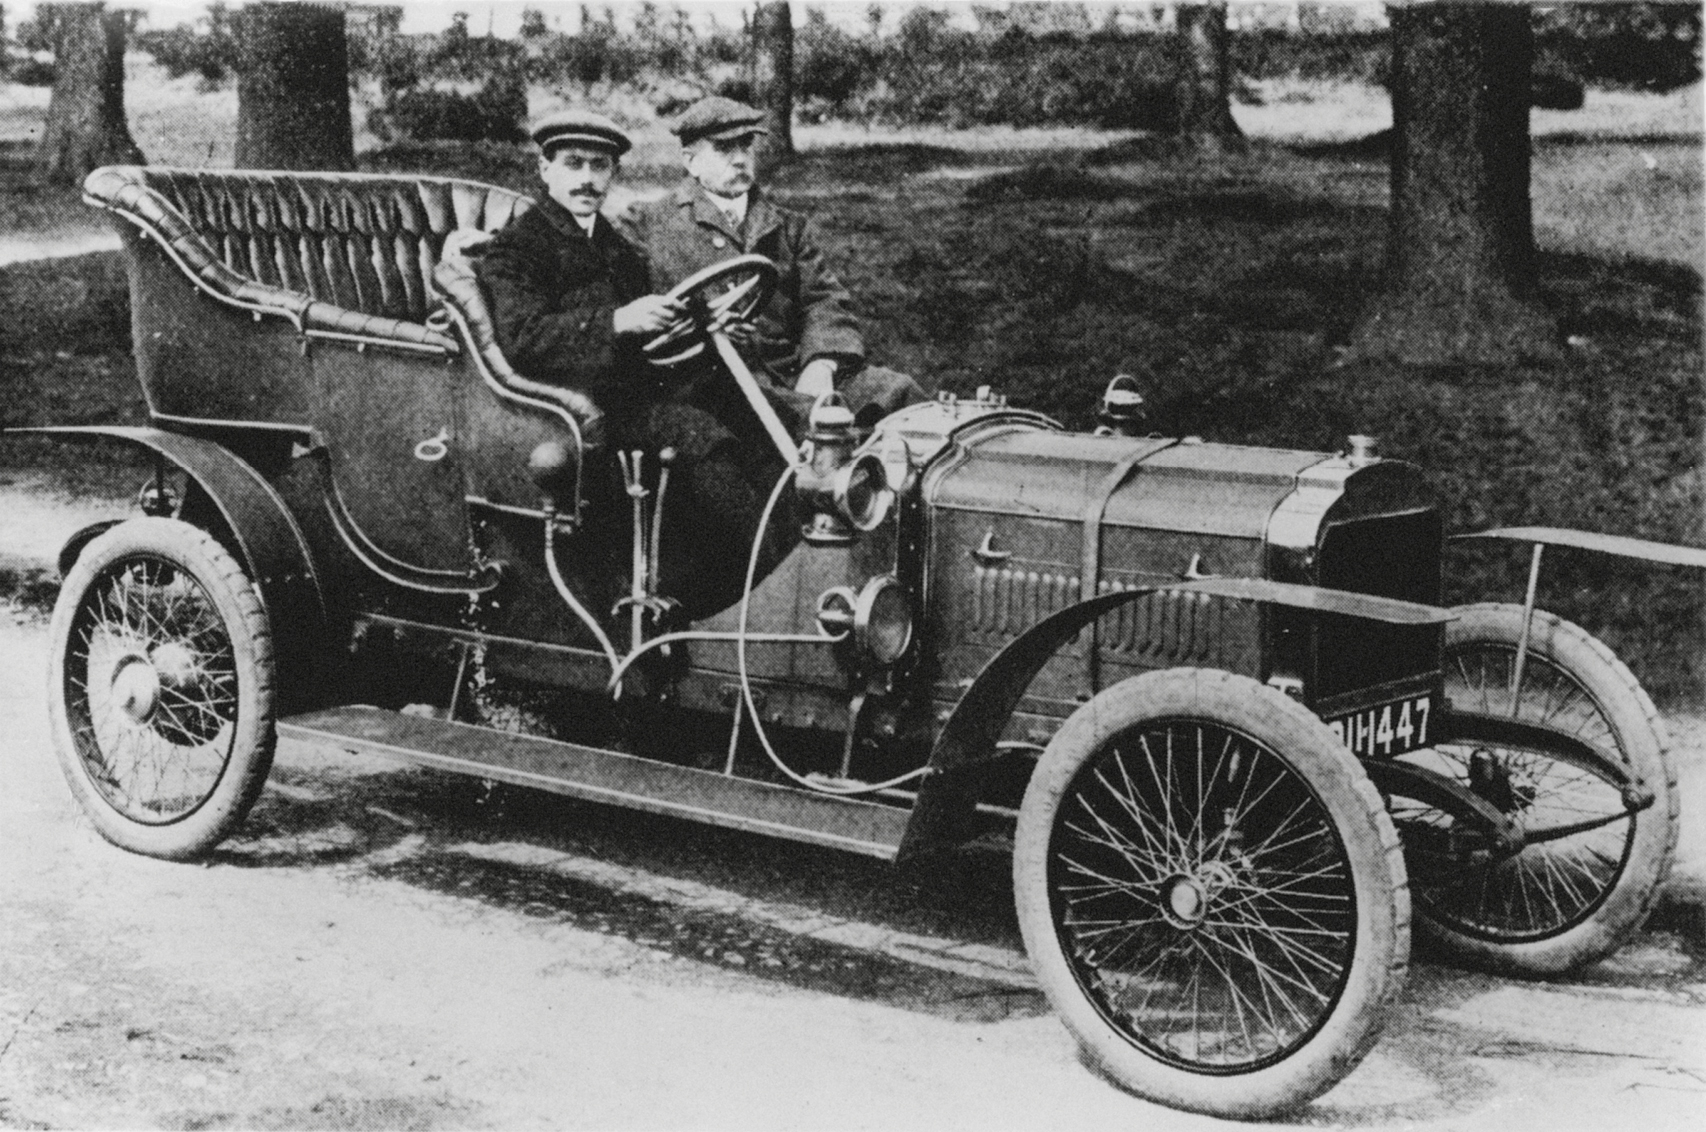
[(844, 494)]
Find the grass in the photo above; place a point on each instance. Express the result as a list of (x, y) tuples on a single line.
[(65, 360), (1044, 262), (1608, 197)]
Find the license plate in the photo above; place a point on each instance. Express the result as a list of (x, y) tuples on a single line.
[(1386, 729)]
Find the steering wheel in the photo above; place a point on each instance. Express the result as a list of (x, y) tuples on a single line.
[(724, 292)]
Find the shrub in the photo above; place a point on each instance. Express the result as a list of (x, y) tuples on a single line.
[(934, 73), (1272, 53), (210, 47), (1645, 46), (598, 54), (830, 66), (496, 112), (30, 71), (1023, 65)]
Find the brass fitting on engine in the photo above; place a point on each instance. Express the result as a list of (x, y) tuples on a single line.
[(844, 493)]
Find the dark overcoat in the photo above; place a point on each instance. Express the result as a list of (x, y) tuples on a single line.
[(554, 292), (810, 316)]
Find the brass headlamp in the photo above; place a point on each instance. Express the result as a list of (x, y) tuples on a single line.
[(878, 616)]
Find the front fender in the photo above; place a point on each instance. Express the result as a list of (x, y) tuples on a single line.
[(948, 795), (73, 548), (268, 542)]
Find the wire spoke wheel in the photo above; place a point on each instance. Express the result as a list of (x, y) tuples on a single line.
[(1211, 893), (161, 687), (1548, 886), (1591, 864), (1204, 898), (154, 710)]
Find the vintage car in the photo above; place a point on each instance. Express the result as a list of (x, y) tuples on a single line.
[(1207, 690)]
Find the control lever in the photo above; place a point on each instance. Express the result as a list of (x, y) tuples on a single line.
[(636, 599), (666, 459), (642, 598)]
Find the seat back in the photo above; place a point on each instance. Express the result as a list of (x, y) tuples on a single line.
[(362, 242)]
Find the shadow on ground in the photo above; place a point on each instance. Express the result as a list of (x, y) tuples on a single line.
[(411, 826)]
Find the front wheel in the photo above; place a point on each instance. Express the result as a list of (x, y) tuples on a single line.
[(1595, 856), (1211, 893), (160, 688)]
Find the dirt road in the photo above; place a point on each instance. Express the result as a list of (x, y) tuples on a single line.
[(394, 949)]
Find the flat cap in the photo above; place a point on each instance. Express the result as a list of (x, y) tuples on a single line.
[(718, 117), (580, 127)]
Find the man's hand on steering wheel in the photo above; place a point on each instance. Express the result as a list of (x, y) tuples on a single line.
[(741, 331), (648, 314), (717, 303)]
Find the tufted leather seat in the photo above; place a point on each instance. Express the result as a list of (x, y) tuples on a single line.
[(345, 253)]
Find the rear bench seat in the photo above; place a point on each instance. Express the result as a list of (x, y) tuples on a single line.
[(345, 253), (360, 255)]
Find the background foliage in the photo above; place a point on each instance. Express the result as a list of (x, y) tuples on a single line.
[(1022, 65)]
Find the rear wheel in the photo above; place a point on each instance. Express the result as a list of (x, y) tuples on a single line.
[(160, 688), (1211, 893), (1593, 862)]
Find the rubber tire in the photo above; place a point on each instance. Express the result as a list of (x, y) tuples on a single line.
[(244, 619), (1645, 742), (1382, 940)]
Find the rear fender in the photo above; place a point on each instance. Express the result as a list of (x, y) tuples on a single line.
[(948, 797), (267, 542)]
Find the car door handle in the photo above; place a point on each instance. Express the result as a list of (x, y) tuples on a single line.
[(434, 448)]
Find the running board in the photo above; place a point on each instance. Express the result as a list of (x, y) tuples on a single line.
[(606, 776)]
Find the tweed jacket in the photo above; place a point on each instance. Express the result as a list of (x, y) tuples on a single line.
[(810, 316), (553, 295)]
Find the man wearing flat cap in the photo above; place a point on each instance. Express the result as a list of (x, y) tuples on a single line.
[(806, 340), (571, 304)]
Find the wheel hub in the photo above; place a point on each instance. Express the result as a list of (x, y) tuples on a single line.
[(1186, 901), (136, 687), (1187, 897), (1495, 780)]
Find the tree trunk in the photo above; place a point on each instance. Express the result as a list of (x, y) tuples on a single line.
[(773, 76), (293, 108), (1203, 79), (1460, 271), (85, 114)]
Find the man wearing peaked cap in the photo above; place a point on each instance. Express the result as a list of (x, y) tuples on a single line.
[(582, 127), (569, 295), (806, 340)]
